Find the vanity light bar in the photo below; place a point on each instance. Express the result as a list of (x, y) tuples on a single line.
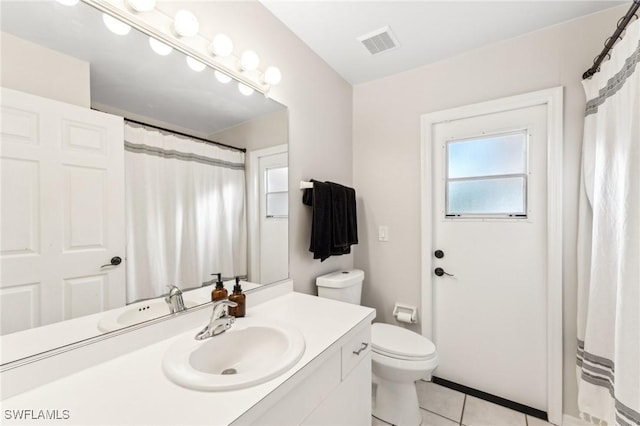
[(161, 27)]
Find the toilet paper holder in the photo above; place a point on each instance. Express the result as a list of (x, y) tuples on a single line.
[(404, 313)]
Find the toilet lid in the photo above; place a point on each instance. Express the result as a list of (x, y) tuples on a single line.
[(397, 341)]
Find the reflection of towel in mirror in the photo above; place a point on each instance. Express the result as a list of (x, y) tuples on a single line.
[(334, 224)]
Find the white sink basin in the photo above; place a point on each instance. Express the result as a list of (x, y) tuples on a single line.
[(137, 313), (250, 353)]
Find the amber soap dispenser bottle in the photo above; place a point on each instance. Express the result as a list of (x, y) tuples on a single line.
[(219, 292), (240, 298)]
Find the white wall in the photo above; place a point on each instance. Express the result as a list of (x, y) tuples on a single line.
[(31, 68), (148, 120), (320, 114), (387, 152), (262, 132)]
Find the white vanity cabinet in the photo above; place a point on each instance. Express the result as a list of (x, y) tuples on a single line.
[(336, 392), (350, 402), (330, 384)]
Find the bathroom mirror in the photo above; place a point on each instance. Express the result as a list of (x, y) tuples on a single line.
[(128, 79)]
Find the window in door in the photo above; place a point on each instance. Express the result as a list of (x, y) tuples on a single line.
[(487, 176), (277, 192)]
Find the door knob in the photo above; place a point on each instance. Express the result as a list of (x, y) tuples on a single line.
[(440, 272), (439, 254), (115, 261)]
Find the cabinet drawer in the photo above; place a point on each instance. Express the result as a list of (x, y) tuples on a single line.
[(355, 350)]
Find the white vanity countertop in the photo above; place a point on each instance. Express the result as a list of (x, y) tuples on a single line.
[(132, 389), (40, 339)]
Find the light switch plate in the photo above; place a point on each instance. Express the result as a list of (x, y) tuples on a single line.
[(383, 233)]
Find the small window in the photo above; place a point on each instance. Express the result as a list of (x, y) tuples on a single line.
[(487, 176), (277, 192)]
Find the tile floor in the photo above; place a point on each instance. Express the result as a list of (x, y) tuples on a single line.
[(442, 406)]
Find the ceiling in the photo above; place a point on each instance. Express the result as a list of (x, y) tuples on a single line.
[(427, 31), (128, 76)]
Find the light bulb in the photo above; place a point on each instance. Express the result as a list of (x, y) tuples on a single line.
[(249, 60), (221, 45), (195, 64), (68, 2), (159, 47), (142, 5), (272, 76), (185, 24), (222, 77), (245, 90), (115, 25)]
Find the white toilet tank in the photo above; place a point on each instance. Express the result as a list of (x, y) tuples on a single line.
[(345, 286)]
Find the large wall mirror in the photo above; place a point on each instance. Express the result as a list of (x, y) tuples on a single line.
[(185, 208)]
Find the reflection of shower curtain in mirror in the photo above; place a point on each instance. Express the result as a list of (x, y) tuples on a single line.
[(185, 209)]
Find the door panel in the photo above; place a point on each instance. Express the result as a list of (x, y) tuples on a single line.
[(62, 211), (489, 318), (20, 207), (85, 194)]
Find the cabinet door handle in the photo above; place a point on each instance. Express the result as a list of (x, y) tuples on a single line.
[(362, 348)]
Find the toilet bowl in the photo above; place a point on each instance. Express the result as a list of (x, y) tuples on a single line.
[(399, 357)]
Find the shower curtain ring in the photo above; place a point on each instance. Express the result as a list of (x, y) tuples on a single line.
[(606, 42)]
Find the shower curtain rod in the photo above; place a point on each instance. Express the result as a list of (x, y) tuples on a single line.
[(185, 134), (180, 133), (608, 45)]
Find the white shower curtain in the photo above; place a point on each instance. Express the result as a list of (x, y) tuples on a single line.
[(608, 356), (185, 210)]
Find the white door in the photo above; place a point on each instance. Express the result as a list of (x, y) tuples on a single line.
[(268, 214), (274, 218), (489, 219), (62, 211)]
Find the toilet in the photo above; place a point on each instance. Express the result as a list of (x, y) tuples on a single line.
[(399, 358)]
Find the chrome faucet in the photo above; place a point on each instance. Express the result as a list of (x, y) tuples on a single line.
[(174, 299), (220, 320)]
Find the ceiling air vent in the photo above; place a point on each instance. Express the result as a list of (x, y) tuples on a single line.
[(379, 41)]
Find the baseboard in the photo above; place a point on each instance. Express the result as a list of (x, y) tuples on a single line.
[(530, 411)]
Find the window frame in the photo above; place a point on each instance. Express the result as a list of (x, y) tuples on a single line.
[(524, 175), (267, 193)]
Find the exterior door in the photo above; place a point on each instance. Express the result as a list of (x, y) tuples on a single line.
[(62, 207), (268, 214), (274, 218), (489, 220)]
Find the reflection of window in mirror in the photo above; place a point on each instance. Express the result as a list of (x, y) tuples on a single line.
[(277, 192)]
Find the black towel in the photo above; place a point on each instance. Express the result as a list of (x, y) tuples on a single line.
[(344, 222), (334, 224), (307, 195), (352, 216)]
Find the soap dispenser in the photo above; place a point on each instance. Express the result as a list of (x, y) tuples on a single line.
[(240, 298), (219, 292)]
